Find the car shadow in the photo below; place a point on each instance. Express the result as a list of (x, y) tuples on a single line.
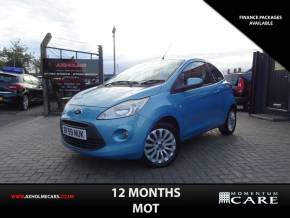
[(192, 145), (97, 162), (9, 108), (13, 109)]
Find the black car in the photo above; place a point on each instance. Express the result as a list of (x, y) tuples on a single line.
[(20, 89), (241, 84)]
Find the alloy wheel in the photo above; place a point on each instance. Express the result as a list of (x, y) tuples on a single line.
[(25, 102), (160, 146), (232, 120)]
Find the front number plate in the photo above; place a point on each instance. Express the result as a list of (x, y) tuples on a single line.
[(74, 132)]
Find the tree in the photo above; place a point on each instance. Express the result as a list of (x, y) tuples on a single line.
[(16, 55)]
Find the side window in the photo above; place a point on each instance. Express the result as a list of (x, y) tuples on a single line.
[(193, 70), (209, 78), (216, 74)]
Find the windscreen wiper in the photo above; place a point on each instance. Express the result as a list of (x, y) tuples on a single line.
[(122, 82), (152, 81)]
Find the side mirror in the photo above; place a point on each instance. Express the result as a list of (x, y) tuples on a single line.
[(194, 82), (191, 83)]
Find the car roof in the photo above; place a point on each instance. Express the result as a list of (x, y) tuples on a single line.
[(243, 73), (187, 60), (196, 59), (16, 74)]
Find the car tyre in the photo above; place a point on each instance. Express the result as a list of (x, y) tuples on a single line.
[(161, 145), (230, 124), (24, 104)]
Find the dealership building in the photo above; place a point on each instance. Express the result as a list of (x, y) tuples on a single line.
[(270, 87)]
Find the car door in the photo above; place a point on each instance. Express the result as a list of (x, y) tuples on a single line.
[(219, 93), (196, 104), (27, 83), (29, 86), (36, 88)]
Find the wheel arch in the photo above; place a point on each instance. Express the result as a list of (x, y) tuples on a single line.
[(171, 120), (234, 106)]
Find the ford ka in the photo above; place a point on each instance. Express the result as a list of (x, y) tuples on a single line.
[(148, 110)]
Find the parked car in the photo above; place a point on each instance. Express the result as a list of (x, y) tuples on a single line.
[(148, 110), (241, 85), (19, 89)]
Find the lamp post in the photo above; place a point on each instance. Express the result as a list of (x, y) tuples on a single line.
[(114, 52), (14, 58)]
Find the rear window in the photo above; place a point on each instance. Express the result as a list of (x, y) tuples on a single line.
[(232, 79), (7, 78)]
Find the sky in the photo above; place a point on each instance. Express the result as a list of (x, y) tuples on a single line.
[(145, 29)]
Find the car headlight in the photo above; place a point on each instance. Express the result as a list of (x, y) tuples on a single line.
[(123, 109)]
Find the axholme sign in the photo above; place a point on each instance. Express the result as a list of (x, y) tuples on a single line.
[(70, 75), (58, 67), (71, 65)]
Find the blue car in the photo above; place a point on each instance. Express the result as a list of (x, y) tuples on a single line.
[(148, 110)]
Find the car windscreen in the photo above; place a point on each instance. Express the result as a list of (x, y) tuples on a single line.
[(7, 78), (150, 71)]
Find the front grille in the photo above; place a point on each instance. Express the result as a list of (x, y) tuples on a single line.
[(90, 143), (94, 139), (75, 124)]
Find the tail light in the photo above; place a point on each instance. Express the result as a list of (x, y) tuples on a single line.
[(241, 85), (15, 87)]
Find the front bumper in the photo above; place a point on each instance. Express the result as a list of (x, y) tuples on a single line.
[(109, 135), (9, 98), (94, 139)]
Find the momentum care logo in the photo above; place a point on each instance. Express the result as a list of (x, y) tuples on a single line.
[(248, 198)]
